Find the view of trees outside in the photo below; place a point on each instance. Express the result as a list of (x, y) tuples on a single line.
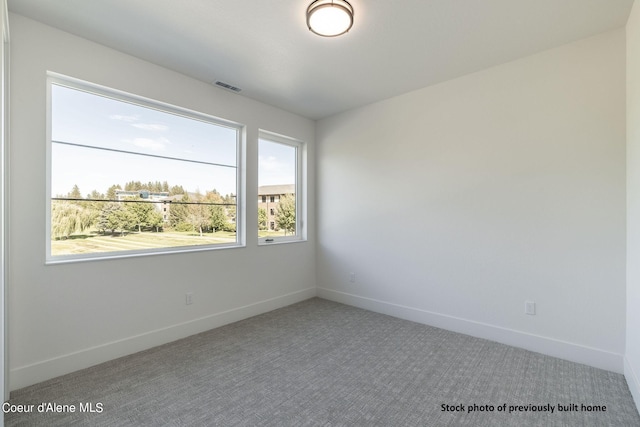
[(175, 213), (128, 174), (277, 172), (285, 218)]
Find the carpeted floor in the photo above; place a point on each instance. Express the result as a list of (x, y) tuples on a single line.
[(320, 363)]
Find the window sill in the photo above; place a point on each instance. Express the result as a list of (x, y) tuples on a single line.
[(68, 259), (280, 241)]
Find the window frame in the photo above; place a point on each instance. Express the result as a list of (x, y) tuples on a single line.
[(111, 93), (300, 187)]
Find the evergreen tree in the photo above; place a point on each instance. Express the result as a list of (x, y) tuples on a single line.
[(133, 186), (95, 195), (177, 189), (114, 217), (111, 192), (75, 193), (141, 212)]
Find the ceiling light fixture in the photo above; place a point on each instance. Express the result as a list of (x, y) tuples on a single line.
[(329, 18)]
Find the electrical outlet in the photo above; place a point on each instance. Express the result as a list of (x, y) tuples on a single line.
[(189, 298), (352, 277), (530, 307)]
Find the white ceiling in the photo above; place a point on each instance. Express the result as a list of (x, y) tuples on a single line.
[(264, 47)]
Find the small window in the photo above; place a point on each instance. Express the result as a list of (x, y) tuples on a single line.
[(281, 178), (130, 176)]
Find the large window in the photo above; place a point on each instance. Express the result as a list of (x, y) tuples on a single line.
[(131, 176), (280, 189)]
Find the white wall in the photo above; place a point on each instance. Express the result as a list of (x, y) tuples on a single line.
[(65, 317), (632, 356), (455, 203)]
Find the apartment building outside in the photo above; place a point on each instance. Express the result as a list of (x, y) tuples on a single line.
[(269, 198)]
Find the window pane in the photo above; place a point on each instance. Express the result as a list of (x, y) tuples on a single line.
[(127, 177), (88, 119), (98, 170), (277, 184)]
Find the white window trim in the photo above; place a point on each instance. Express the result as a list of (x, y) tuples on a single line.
[(73, 83), (300, 185)]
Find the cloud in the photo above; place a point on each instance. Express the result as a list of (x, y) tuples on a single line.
[(152, 127), (152, 144), (124, 118)]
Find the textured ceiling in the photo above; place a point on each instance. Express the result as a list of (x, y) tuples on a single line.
[(264, 47)]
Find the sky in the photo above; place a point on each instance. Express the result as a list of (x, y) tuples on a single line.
[(276, 163), (158, 138)]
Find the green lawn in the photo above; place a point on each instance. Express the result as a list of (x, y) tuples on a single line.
[(96, 243)]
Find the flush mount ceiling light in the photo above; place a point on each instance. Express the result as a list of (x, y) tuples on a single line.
[(329, 18)]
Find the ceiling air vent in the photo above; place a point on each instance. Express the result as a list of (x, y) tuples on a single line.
[(227, 86)]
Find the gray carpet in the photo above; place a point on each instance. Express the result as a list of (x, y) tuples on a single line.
[(319, 363)]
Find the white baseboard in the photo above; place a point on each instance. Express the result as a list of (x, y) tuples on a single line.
[(633, 381), (562, 349), (31, 374)]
